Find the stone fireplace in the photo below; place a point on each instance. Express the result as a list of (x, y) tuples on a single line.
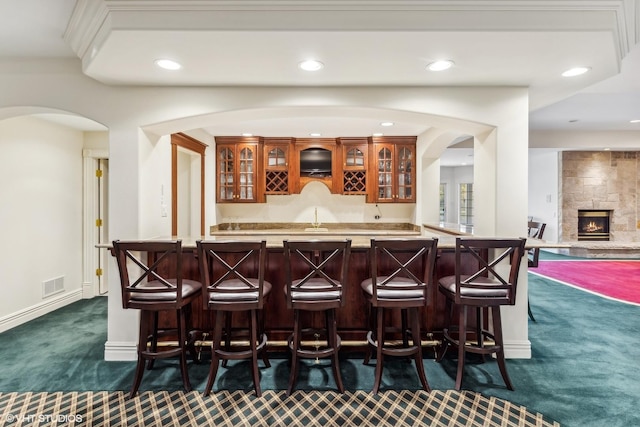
[(593, 224), (599, 198)]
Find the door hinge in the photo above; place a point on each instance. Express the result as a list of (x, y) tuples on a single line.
[(98, 272), (98, 173), (98, 222)]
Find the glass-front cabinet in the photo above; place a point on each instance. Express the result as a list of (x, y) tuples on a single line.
[(354, 165), (276, 165), (237, 172), (395, 178)]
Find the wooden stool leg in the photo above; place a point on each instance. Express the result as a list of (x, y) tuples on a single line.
[(379, 346), (215, 357), (405, 334), (182, 342), (293, 375), (462, 338), (253, 337), (152, 331), (497, 332), (417, 341), (227, 335), (444, 345), (530, 312), (265, 356), (480, 327), (332, 339), (146, 318), (191, 334), (372, 327)]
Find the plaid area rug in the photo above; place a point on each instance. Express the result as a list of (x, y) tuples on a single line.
[(274, 408)]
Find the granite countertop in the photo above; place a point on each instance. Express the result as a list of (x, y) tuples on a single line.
[(360, 236), (315, 232)]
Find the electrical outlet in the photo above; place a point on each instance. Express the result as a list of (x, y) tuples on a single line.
[(377, 217)]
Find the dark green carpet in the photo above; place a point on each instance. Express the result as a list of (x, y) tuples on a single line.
[(584, 369)]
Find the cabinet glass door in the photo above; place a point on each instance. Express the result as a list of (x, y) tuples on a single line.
[(276, 158), (354, 158), (385, 174), (225, 173), (405, 169), (245, 175)]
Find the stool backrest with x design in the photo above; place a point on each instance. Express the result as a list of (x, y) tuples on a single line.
[(488, 281), (150, 272), (232, 272), (316, 270), (404, 265)]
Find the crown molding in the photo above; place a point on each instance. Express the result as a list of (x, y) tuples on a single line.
[(93, 20), (86, 22)]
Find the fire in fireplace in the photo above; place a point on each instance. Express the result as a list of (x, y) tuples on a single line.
[(593, 224)]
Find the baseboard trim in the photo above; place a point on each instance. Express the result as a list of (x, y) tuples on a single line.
[(87, 290), (517, 349), (47, 306), (120, 351)]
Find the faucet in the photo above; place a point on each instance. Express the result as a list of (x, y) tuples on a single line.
[(315, 222)]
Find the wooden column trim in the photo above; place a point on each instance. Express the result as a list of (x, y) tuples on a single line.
[(191, 144)]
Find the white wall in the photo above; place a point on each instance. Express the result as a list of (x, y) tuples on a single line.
[(40, 216), (543, 190), (332, 208), (155, 187), (138, 119)]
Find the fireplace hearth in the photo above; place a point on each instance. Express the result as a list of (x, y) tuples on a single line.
[(594, 224)]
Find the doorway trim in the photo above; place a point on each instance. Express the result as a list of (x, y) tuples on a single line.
[(184, 141), (91, 255)]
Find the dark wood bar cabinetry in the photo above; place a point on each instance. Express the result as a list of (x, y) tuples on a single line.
[(352, 318), (381, 168)]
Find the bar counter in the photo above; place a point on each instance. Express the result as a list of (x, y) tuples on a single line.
[(353, 317)]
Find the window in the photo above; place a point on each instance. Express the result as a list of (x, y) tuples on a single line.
[(443, 204), (466, 204)]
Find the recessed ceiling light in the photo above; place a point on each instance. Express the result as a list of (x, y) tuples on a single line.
[(247, 134), (378, 134), (634, 121), (311, 65), (607, 149), (575, 71), (386, 124), (315, 134), (168, 64), (441, 65)]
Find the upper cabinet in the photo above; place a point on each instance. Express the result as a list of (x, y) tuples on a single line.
[(380, 168), (355, 165), (238, 168), (276, 165), (394, 167)]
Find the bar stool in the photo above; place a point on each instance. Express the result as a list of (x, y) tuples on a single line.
[(153, 285), (401, 272), (316, 272), (535, 231), (482, 288), (232, 274)]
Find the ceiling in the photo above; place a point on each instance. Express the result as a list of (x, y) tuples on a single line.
[(361, 43)]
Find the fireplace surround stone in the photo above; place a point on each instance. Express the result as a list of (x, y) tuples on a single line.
[(600, 180)]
